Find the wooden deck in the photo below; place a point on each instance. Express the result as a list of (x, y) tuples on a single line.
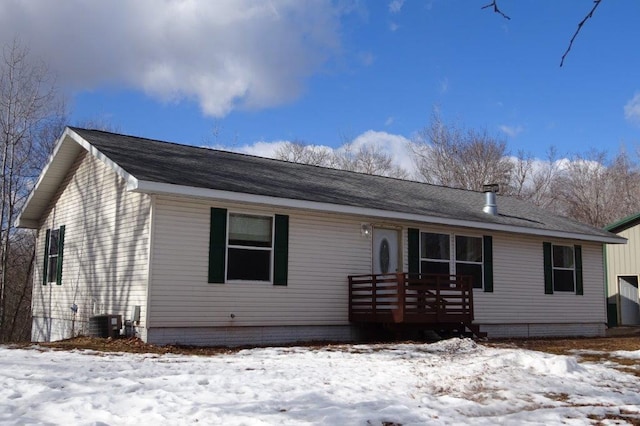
[(404, 298)]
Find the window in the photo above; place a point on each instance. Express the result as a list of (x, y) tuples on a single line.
[(455, 255), (53, 251), (435, 253), (563, 268), (250, 247), (469, 258)]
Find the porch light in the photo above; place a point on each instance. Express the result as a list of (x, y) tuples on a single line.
[(365, 230)]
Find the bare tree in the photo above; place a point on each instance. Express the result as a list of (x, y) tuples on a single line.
[(18, 287), (625, 179), (460, 158), (597, 192), (298, 151), (532, 179), (369, 159), (99, 123), (214, 138), (30, 112)]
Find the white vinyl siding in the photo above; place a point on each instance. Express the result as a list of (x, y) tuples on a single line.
[(323, 251), (518, 283), (105, 252), (519, 286)]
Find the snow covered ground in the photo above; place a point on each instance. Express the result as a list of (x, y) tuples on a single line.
[(451, 382)]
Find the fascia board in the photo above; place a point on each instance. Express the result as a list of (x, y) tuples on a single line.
[(68, 137), (20, 222), (189, 191), (624, 224)]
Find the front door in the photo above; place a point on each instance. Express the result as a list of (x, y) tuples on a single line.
[(386, 250), (629, 304)]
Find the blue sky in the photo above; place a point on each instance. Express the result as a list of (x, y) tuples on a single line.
[(325, 72)]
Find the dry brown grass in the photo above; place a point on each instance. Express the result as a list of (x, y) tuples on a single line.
[(568, 346), (555, 346), (130, 345)]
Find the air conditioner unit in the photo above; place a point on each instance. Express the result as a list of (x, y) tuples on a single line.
[(105, 326)]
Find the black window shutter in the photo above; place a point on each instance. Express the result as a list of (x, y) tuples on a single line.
[(413, 236), (548, 272), (578, 254), (45, 269), (487, 242), (281, 250), (60, 255), (217, 245)]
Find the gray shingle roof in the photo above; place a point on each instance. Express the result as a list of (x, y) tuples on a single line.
[(163, 162)]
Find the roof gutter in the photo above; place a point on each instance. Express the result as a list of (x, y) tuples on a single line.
[(189, 191)]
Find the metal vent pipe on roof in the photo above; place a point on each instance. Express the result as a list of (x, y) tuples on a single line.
[(490, 206)]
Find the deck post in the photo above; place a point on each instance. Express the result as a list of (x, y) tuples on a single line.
[(374, 296), (404, 298), (470, 299), (350, 298), (438, 305), (398, 315)]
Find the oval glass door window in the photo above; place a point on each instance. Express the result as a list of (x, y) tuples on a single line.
[(384, 256)]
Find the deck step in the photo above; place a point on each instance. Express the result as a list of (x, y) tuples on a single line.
[(460, 329), (475, 329)]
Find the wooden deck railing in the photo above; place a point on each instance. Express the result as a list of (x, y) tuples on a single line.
[(411, 298)]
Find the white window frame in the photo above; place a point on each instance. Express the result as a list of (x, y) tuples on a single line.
[(453, 261), (469, 262), (270, 249), (434, 260), (560, 268)]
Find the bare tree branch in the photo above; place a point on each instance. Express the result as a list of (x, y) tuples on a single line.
[(369, 159), (452, 156), (496, 9), (596, 3), (30, 112)]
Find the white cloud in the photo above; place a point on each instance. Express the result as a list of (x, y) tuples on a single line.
[(396, 146), (224, 55), (261, 148), (632, 109), (511, 131), (393, 26), (389, 121), (396, 6)]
